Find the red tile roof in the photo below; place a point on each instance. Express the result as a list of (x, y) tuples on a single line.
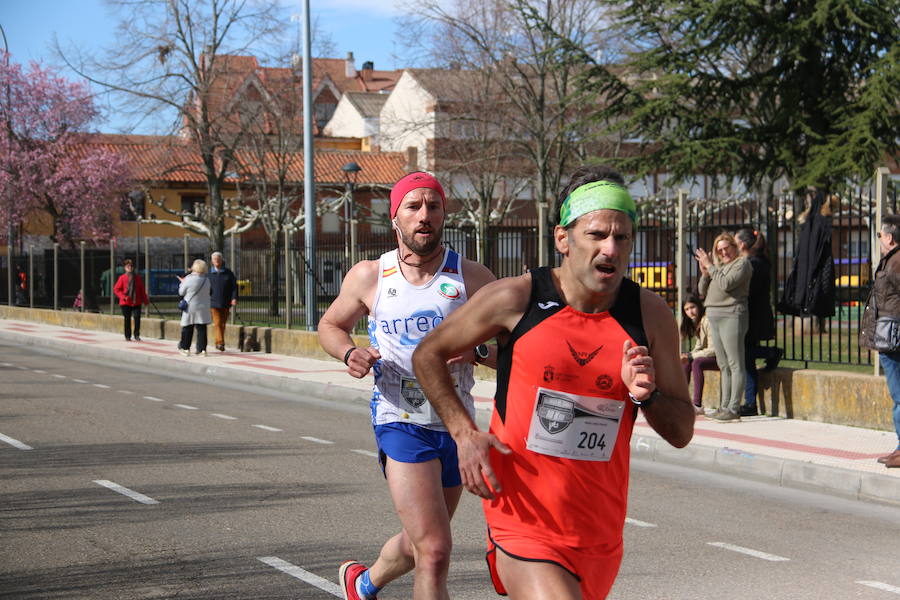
[(171, 160)]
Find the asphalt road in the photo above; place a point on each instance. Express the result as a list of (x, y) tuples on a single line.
[(147, 485)]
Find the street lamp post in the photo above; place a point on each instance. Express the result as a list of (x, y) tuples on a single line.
[(9, 199), (351, 174)]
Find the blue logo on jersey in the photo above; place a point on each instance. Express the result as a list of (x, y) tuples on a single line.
[(414, 327)]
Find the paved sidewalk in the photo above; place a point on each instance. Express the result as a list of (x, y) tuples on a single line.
[(804, 454)]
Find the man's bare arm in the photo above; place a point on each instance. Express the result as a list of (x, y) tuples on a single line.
[(671, 416), (348, 308), (495, 309)]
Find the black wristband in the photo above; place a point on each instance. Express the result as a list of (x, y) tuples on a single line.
[(347, 355)]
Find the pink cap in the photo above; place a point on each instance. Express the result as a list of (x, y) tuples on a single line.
[(410, 182)]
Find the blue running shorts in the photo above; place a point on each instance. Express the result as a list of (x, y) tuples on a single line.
[(408, 443)]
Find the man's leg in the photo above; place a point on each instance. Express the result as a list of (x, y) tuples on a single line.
[(528, 580), (187, 334), (425, 509), (219, 317), (890, 362)]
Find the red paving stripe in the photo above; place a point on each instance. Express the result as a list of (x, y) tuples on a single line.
[(269, 367), (750, 439), (77, 338), (154, 350)]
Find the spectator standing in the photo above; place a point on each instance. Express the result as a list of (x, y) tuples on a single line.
[(21, 286), (885, 299), (761, 327), (194, 288), (223, 295), (132, 295), (702, 357), (725, 283)]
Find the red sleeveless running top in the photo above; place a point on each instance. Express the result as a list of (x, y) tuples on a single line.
[(560, 375)]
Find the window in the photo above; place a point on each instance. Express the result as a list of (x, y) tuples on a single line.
[(189, 203), (330, 223), (132, 206), (322, 112), (381, 210)]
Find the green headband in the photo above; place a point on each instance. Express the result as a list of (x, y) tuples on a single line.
[(593, 196)]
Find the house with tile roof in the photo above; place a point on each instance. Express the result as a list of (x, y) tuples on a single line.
[(358, 115), (243, 87)]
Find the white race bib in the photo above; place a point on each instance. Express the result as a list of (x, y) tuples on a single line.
[(414, 406), (571, 426)]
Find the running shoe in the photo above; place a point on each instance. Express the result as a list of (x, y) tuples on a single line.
[(184, 352), (348, 574)]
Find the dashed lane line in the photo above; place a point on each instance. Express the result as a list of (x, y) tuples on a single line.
[(637, 523), (20, 367), (366, 453), (14, 442), (186, 407), (302, 575), (126, 392), (38, 371), (79, 380), (226, 417), (58, 376), (153, 398), (137, 496), (267, 428), (881, 586), (749, 552), (101, 386), (315, 439)]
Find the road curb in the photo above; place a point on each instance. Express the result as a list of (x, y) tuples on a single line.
[(777, 471), (782, 472)]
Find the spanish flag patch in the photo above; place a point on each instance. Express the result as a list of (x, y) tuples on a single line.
[(388, 272)]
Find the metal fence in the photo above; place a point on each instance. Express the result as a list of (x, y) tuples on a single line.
[(54, 277)]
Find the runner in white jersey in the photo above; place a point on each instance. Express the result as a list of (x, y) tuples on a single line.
[(406, 293), (401, 316)]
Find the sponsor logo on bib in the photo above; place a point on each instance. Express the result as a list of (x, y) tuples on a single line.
[(555, 414)]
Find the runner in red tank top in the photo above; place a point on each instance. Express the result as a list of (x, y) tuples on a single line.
[(575, 360)]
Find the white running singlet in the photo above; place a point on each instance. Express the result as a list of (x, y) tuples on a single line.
[(401, 315)]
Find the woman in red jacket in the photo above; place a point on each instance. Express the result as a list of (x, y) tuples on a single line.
[(129, 289)]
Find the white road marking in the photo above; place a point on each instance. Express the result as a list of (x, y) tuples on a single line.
[(302, 575), (15, 443), (637, 523), (39, 371), (6, 364), (22, 368), (101, 386), (154, 398), (881, 586), (226, 417), (125, 392), (58, 376), (267, 428), (315, 439), (126, 492), (187, 407), (79, 380), (366, 453), (749, 551)]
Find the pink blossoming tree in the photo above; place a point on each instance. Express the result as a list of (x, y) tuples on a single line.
[(47, 165)]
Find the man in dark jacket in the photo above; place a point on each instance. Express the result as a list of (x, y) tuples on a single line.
[(885, 300), (223, 295)]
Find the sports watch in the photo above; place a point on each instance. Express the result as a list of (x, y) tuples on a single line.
[(481, 352), (653, 397)]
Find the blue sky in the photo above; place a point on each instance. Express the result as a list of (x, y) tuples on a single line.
[(364, 27)]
